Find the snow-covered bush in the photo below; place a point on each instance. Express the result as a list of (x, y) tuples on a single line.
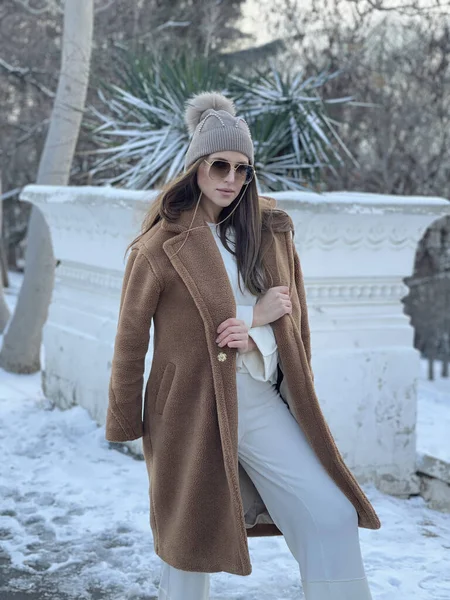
[(142, 136)]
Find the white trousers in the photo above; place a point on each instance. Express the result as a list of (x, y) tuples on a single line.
[(318, 522)]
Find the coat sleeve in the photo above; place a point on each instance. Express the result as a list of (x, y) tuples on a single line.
[(139, 299), (301, 292)]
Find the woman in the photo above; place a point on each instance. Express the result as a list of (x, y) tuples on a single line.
[(234, 439)]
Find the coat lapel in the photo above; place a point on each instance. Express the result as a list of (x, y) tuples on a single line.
[(199, 264)]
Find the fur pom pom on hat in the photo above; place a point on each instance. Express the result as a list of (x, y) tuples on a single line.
[(211, 120), (200, 103)]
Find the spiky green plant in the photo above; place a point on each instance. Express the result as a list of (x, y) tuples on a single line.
[(143, 137), (294, 137)]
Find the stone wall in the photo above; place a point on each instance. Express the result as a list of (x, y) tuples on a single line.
[(356, 250)]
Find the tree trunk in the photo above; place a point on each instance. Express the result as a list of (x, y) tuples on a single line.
[(430, 369), (4, 311), (445, 362), (22, 341)]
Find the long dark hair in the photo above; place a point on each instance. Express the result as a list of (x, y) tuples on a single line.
[(253, 215)]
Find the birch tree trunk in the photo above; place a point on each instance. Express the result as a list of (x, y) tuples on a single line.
[(22, 342), (4, 311)]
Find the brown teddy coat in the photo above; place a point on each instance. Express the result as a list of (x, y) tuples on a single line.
[(203, 505)]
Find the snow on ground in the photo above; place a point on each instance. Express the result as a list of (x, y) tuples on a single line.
[(433, 415), (75, 511)]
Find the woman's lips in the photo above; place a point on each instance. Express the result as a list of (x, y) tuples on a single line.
[(227, 192)]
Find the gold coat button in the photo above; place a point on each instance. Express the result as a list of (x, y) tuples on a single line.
[(222, 356)]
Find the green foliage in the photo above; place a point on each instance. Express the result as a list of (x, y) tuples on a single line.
[(143, 137)]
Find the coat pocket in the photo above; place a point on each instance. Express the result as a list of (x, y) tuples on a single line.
[(164, 388)]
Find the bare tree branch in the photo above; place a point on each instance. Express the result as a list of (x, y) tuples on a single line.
[(29, 134), (57, 7), (172, 24), (48, 5), (415, 7), (26, 73), (397, 62), (107, 5)]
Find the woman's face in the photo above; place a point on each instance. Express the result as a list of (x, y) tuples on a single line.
[(221, 192)]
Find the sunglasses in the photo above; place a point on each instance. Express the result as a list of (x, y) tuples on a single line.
[(219, 169)]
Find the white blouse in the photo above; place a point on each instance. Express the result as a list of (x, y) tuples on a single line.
[(261, 362)]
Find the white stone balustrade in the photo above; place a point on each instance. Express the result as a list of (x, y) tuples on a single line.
[(355, 251)]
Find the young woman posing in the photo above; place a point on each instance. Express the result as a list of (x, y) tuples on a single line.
[(233, 436)]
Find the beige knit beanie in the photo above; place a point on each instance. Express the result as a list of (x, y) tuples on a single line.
[(212, 121)]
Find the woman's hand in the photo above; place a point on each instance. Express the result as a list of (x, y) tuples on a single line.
[(272, 305), (234, 334)]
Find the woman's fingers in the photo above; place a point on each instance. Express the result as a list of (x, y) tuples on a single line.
[(233, 337), (233, 333), (232, 321), (240, 328)]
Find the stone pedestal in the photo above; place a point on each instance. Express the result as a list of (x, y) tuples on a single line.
[(355, 251)]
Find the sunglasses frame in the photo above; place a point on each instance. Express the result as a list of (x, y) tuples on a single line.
[(235, 167)]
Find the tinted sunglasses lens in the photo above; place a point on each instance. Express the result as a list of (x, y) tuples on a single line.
[(219, 169), (244, 173)]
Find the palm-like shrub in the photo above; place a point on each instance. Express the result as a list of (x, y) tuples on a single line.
[(294, 137), (142, 136)]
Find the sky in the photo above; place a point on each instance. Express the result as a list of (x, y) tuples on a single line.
[(254, 21)]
